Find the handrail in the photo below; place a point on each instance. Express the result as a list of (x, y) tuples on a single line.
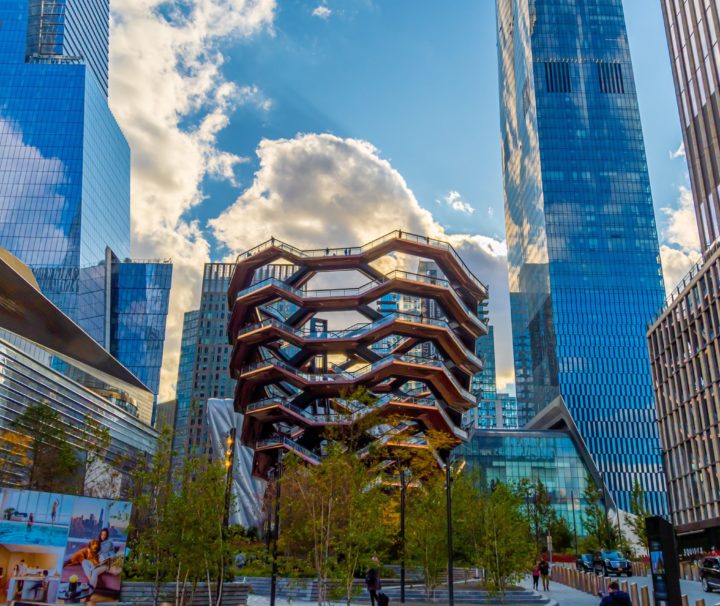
[(357, 250), (332, 377), (357, 330), (283, 441), (360, 290)]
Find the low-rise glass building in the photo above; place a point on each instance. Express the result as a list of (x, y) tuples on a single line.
[(46, 358), (551, 456)]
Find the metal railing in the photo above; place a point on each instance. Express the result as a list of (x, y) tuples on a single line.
[(281, 442), (359, 250)]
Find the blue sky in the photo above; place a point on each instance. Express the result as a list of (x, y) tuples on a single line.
[(226, 140), (419, 81)]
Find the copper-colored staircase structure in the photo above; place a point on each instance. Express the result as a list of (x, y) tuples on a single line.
[(294, 375)]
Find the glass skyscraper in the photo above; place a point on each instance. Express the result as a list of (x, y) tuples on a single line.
[(65, 172), (585, 276)]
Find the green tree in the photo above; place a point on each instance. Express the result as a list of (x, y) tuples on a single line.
[(426, 531), (504, 552), (640, 511), (332, 515), (562, 537), (601, 532), (53, 462), (537, 510)]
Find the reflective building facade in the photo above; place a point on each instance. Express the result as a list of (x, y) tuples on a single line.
[(549, 456), (585, 276), (64, 163), (46, 358)]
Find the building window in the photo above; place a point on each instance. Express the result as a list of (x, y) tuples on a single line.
[(610, 77), (557, 77)]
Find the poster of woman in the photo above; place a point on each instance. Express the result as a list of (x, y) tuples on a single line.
[(95, 550)]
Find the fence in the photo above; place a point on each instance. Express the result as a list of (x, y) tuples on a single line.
[(593, 584)]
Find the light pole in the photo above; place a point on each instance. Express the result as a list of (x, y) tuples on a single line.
[(448, 507), (229, 463), (403, 493), (572, 498), (276, 532)]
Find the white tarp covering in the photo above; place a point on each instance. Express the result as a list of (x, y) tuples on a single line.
[(248, 491)]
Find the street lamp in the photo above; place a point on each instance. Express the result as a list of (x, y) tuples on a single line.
[(276, 531), (228, 461), (403, 493), (448, 508)]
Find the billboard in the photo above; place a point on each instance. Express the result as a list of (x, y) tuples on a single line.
[(60, 548)]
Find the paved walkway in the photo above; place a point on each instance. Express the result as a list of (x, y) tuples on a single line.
[(564, 595)]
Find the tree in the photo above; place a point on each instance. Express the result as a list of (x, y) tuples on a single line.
[(504, 550), (600, 530), (15, 448), (426, 531), (562, 537), (53, 462), (177, 528), (538, 510), (640, 511), (332, 514)]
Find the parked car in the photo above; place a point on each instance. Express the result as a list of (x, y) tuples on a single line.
[(710, 573), (585, 562), (608, 562)]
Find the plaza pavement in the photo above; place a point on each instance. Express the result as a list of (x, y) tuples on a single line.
[(566, 596)]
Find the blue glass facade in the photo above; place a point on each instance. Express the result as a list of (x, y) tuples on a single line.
[(183, 390), (140, 294), (548, 456), (65, 168), (483, 384), (585, 274)]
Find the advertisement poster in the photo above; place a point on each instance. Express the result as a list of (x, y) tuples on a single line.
[(57, 549)]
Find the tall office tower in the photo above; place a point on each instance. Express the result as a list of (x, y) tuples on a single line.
[(692, 30), (204, 358), (585, 276), (483, 383), (65, 177), (684, 340)]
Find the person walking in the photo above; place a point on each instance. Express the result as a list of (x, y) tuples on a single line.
[(372, 580), (616, 597), (545, 574), (536, 576)]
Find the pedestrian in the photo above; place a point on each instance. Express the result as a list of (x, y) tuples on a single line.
[(615, 596), (536, 576), (372, 580), (54, 511), (545, 574)]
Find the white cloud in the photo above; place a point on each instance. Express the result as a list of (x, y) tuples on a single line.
[(682, 225), (322, 11), (454, 200), (676, 263), (680, 248), (171, 99), (679, 152), (321, 190)]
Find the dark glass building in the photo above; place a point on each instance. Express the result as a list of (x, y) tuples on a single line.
[(585, 276), (65, 170), (204, 359)]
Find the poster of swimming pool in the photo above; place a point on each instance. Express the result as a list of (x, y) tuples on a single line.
[(57, 548)]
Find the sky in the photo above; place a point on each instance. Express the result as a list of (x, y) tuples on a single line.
[(331, 122)]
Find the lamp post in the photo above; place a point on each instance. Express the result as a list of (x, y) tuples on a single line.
[(448, 507), (403, 493), (572, 498), (229, 463), (276, 532)]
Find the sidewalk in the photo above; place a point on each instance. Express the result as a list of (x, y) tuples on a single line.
[(564, 595)]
